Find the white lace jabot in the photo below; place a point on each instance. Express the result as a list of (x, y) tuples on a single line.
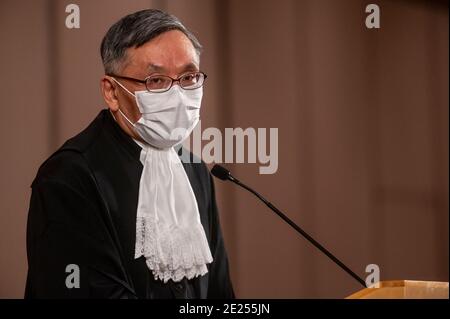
[(169, 233)]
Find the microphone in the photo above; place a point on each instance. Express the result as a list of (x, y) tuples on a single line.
[(224, 174)]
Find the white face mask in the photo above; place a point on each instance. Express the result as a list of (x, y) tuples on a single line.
[(168, 118)]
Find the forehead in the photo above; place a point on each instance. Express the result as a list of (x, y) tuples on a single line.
[(170, 51)]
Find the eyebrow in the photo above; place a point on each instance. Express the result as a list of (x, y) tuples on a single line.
[(157, 68)]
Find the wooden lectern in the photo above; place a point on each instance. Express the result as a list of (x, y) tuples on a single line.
[(404, 289)]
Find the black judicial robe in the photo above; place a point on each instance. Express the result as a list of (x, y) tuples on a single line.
[(83, 212)]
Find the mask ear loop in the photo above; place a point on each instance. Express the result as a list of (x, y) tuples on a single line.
[(126, 118), (123, 87)]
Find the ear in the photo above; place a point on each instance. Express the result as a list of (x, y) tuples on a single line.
[(109, 92)]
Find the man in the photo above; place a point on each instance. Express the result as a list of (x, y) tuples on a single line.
[(115, 213)]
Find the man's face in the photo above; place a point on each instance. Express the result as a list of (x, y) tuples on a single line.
[(170, 53)]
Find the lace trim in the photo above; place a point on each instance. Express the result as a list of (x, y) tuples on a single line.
[(172, 253)]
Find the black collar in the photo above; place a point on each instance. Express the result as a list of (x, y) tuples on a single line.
[(124, 139)]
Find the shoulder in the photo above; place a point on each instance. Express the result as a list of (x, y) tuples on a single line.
[(68, 164), (65, 167)]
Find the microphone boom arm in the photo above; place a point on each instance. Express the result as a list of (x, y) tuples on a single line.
[(297, 228)]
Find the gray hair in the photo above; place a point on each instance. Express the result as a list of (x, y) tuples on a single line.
[(136, 29)]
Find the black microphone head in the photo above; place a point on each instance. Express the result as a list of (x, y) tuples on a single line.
[(221, 172)]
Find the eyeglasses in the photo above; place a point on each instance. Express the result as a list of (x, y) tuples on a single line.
[(163, 83)]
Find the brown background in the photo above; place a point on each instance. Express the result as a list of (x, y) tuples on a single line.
[(362, 117)]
